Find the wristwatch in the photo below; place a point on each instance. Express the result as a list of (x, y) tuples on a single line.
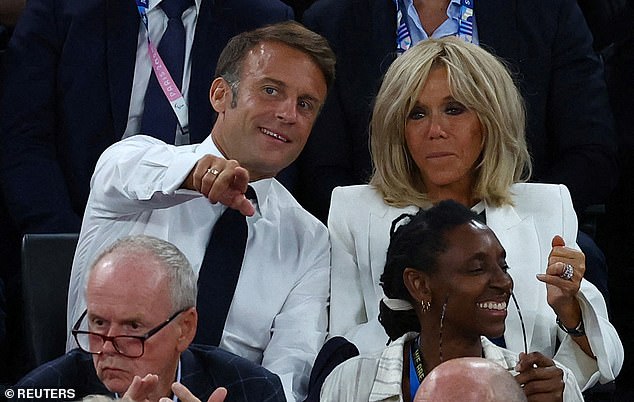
[(579, 330)]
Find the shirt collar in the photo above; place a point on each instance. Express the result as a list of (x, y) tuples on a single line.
[(449, 27), (389, 375)]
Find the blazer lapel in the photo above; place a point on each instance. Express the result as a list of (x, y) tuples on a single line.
[(378, 242), (379, 225), (519, 238), (122, 27)]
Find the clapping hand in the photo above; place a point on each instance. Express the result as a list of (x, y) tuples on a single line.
[(184, 395), (141, 389)]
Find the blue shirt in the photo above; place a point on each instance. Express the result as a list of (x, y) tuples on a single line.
[(448, 28)]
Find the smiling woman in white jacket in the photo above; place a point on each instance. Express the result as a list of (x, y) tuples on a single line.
[(448, 123), (447, 287)]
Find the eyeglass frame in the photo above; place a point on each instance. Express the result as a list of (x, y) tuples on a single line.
[(112, 339)]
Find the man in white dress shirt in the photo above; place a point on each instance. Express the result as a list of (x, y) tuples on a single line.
[(269, 87)]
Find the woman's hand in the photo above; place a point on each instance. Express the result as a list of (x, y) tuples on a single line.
[(561, 292), (540, 379)]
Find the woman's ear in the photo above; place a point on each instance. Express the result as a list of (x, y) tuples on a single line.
[(220, 94), (417, 283)]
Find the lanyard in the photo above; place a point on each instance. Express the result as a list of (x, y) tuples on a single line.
[(416, 370), (465, 25), (170, 89)]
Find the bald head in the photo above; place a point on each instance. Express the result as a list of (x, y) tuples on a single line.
[(469, 379)]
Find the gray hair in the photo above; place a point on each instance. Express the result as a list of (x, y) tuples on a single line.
[(181, 277)]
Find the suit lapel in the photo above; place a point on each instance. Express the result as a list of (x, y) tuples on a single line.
[(209, 40), (497, 27), (122, 27), (194, 377), (519, 238), (383, 15)]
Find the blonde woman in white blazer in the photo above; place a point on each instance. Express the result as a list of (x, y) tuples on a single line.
[(436, 134)]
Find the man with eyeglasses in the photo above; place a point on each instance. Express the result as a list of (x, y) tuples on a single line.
[(136, 332)]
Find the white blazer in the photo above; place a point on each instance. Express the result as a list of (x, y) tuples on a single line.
[(359, 224)]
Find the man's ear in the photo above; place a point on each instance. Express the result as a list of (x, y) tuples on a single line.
[(220, 94), (417, 283), (187, 324)]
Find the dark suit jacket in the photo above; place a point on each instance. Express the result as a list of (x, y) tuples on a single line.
[(69, 71), (203, 369), (547, 46)]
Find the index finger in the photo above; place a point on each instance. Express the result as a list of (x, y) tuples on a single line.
[(232, 180), (218, 395), (183, 393), (242, 204)]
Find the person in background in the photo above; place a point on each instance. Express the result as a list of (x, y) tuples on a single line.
[(448, 123), (547, 46), (447, 288), (269, 87), (73, 81), (134, 337), (76, 75), (10, 11)]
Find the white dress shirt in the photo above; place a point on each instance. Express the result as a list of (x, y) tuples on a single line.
[(157, 24), (359, 224), (379, 377), (278, 315)]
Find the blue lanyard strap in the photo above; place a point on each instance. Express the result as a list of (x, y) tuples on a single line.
[(142, 6), (414, 377), (465, 24)]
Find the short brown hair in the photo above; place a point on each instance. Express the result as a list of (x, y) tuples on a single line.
[(289, 33)]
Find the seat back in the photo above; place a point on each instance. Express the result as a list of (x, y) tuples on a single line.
[(46, 264)]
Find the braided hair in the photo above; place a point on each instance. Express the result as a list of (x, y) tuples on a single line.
[(416, 241)]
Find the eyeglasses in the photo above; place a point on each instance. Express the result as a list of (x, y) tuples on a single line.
[(127, 345)]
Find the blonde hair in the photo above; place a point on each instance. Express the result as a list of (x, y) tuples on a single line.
[(476, 79)]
